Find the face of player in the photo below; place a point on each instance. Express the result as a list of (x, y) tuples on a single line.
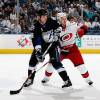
[(42, 19), (72, 20), (63, 21)]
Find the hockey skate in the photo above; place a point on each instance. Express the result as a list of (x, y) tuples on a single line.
[(90, 82), (28, 83), (67, 84), (30, 80), (45, 80)]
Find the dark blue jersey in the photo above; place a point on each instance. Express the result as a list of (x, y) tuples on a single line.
[(44, 34)]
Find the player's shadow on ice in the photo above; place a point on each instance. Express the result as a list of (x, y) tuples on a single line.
[(60, 94), (66, 95), (87, 93)]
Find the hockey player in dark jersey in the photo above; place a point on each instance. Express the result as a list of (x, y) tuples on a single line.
[(43, 37)]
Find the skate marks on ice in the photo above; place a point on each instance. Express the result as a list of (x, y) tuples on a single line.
[(54, 93), (51, 92)]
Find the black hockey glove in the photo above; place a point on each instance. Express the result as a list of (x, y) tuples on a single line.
[(39, 56)]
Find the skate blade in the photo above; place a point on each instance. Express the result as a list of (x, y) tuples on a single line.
[(67, 88)]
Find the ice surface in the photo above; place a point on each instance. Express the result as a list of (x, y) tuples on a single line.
[(13, 72)]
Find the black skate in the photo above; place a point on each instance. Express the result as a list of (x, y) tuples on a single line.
[(28, 83), (45, 80), (67, 84), (30, 80), (90, 83)]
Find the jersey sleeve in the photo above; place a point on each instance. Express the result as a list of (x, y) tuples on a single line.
[(37, 36)]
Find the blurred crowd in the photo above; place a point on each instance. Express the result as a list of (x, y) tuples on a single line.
[(19, 18)]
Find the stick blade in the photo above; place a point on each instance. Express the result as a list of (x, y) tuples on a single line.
[(14, 92)]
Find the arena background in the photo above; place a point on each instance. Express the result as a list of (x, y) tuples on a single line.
[(18, 16)]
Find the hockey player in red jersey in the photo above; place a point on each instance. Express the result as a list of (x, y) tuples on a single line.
[(68, 49)]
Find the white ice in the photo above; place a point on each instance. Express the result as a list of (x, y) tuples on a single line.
[(13, 72)]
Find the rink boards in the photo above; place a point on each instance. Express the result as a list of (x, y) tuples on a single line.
[(21, 44)]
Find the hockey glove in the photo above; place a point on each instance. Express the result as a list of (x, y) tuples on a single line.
[(85, 28), (39, 56)]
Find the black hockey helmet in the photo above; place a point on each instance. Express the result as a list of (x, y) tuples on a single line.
[(42, 12)]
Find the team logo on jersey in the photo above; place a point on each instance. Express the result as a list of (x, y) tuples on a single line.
[(48, 36), (66, 37)]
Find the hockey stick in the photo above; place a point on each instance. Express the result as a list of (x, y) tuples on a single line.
[(12, 92)]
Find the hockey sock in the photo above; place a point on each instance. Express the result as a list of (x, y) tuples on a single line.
[(84, 72), (63, 74), (49, 70), (47, 74), (33, 74)]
